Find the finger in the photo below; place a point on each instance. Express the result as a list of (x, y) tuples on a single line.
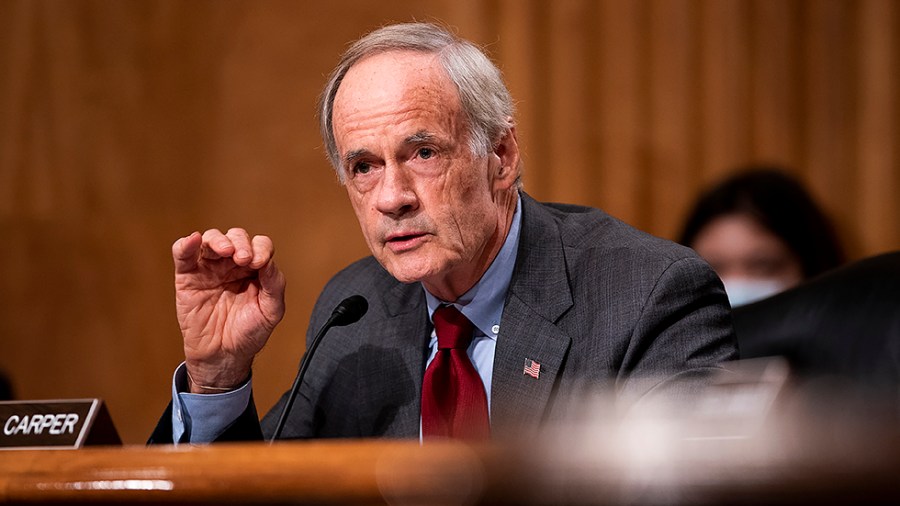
[(243, 250), (272, 284), (263, 251), (186, 252), (271, 279), (216, 245)]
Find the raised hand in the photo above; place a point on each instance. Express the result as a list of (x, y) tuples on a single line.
[(229, 298)]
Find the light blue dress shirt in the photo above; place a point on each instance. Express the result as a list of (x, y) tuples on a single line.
[(482, 305)]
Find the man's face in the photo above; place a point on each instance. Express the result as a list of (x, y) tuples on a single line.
[(430, 210)]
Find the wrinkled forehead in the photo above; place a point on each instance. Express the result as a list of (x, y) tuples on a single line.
[(395, 95)]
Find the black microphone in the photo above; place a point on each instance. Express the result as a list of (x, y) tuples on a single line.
[(350, 310)]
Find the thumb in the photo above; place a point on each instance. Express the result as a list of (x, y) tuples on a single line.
[(272, 283), (186, 252)]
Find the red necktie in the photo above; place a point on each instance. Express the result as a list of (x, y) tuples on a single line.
[(454, 403)]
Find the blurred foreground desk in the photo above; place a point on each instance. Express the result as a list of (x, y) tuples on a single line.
[(642, 468), (322, 472)]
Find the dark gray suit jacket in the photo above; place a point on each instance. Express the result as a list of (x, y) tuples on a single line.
[(843, 325), (600, 305)]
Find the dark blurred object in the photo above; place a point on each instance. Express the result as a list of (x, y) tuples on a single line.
[(844, 324), (753, 437), (6, 390), (780, 204)]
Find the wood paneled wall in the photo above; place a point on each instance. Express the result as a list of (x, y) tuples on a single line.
[(125, 125)]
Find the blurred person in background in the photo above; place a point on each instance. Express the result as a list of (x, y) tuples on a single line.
[(762, 233)]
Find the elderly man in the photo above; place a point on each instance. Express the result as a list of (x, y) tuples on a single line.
[(488, 310)]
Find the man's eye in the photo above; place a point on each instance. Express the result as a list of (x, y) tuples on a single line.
[(361, 168), (425, 153)]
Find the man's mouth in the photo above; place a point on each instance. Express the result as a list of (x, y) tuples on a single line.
[(402, 237), (404, 241)]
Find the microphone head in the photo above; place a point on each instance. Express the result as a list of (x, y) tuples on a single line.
[(350, 310)]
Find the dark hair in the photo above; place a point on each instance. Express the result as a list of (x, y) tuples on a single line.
[(779, 203)]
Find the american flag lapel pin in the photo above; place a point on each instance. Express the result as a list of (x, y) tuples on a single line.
[(532, 368)]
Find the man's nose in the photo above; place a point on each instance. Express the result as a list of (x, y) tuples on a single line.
[(396, 195)]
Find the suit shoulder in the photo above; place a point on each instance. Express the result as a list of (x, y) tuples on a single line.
[(594, 232), (354, 279), (358, 278), (368, 278)]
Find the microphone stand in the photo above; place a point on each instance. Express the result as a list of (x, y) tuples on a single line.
[(350, 310)]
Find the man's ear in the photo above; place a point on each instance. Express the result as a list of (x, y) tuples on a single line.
[(506, 152)]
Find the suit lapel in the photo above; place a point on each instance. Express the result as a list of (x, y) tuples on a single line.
[(390, 385), (539, 295)]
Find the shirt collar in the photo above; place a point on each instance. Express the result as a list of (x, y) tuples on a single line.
[(483, 303)]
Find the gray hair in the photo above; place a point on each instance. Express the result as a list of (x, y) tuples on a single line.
[(483, 96)]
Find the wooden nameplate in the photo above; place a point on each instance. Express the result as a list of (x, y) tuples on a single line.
[(55, 424)]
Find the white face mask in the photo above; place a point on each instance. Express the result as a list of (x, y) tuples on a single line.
[(743, 291)]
